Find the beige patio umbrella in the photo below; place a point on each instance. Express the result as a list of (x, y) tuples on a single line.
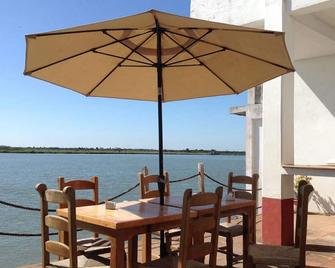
[(157, 56)]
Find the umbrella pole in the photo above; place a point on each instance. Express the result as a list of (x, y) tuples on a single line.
[(161, 184)]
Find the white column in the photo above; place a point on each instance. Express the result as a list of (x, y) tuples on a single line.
[(278, 136)]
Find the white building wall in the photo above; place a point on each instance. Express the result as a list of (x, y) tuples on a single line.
[(237, 12), (311, 31), (314, 130)]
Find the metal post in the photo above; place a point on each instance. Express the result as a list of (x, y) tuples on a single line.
[(161, 184), (160, 119)]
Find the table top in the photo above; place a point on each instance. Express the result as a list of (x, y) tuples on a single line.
[(177, 202), (127, 214)]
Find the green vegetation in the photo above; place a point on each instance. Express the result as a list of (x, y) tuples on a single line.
[(301, 178), (99, 150)]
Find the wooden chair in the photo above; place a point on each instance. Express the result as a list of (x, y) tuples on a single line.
[(70, 250), (236, 230), (291, 256), (146, 192), (192, 245), (147, 180), (93, 244)]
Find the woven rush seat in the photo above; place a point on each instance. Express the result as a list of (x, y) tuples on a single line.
[(83, 262), (292, 256), (171, 262), (234, 230), (276, 255)]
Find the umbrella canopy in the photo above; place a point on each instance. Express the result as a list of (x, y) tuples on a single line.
[(157, 56), (118, 58)]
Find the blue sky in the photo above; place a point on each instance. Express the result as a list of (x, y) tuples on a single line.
[(35, 113)]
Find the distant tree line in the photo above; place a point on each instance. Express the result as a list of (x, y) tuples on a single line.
[(110, 150)]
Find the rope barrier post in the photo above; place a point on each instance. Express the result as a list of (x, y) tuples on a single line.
[(201, 176), (145, 171)]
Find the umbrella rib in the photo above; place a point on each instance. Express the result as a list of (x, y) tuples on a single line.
[(183, 65), (234, 50), (84, 52), (132, 51), (108, 34), (189, 45), (203, 64), (134, 65), (119, 57), (196, 57)]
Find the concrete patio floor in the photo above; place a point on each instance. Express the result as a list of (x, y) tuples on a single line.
[(320, 243)]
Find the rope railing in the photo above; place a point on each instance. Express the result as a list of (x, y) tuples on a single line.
[(185, 179), (226, 186), (9, 204), (25, 235)]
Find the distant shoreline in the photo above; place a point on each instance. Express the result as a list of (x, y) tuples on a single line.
[(56, 150)]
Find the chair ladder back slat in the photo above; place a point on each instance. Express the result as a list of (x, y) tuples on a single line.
[(80, 184), (57, 248), (57, 222), (84, 202), (203, 224), (55, 196), (190, 247), (244, 195)]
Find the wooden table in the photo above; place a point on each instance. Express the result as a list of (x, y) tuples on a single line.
[(244, 207), (130, 219)]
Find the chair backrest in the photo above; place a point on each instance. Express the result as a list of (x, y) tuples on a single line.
[(146, 180), (64, 197), (81, 184), (304, 190), (246, 180), (191, 247)]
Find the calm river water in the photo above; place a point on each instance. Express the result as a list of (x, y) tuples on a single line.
[(19, 173)]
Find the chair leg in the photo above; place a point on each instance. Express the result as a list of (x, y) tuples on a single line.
[(229, 242), (250, 263), (168, 243)]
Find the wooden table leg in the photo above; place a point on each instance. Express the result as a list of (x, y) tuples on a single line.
[(132, 252), (146, 247), (252, 226), (246, 237), (117, 253)]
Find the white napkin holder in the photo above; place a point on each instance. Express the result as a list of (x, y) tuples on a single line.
[(110, 205)]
